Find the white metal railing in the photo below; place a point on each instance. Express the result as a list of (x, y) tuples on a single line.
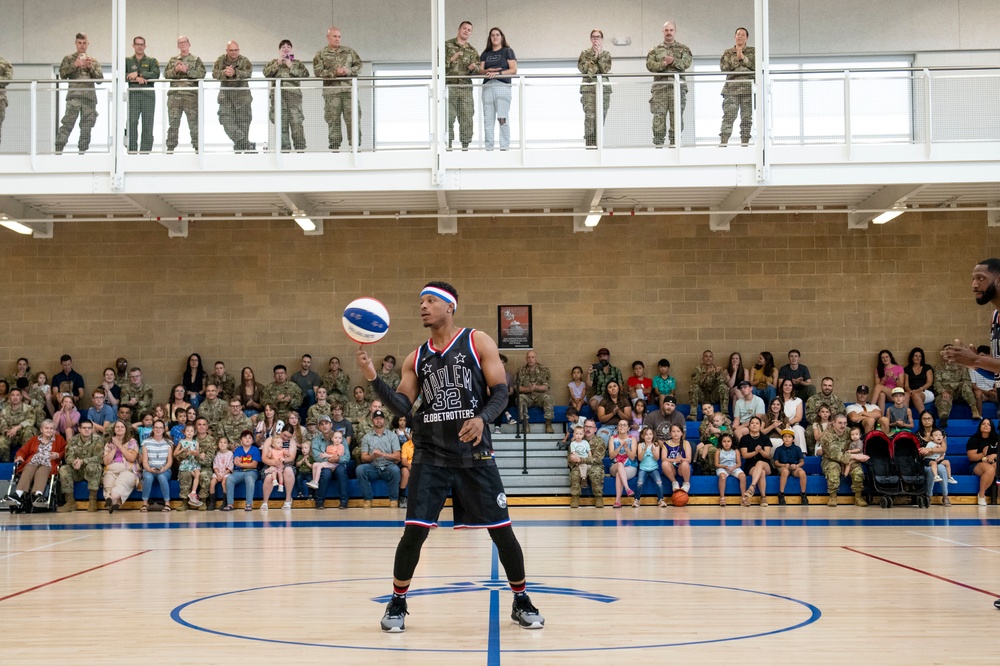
[(805, 108)]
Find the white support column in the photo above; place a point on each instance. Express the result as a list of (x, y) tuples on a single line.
[(119, 94), (738, 199), (447, 222), (993, 216), (762, 78), (439, 102)]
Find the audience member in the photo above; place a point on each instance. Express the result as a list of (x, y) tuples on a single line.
[(386, 374), (366, 424), (639, 414), (83, 463), (789, 461), (235, 99), (137, 395), (932, 449), (121, 467), (279, 454), (337, 64), (862, 413), (322, 406), (824, 419), (756, 451), (212, 409), (951, 381), (621, 450), (461, 60), (613, 408), (222, 466), (666, 59), (234, 422), (177, 399), (194, 380), (737, 93), (249, 393), (735, 374), (983, 383), (357, 410), (728, 463), (290, 125), (308, 381), (68, 382), (337, 382), (765, 377), (37, 461), (112, 391), (577, 389), (799, 374), (888, 375), (17, 423), (591, 63), (177, 429), (207, 448), (601, 373), (380, 454), (187, 453), (223, 381), (185, 69), (661, 420), (157, 459), (67, 417), (774, 422), (663, 383), (81, 98), (589, 468), (793, 409), (246, 458), (100, 414), (533, 380), (675, 459), (320, 446), (836, 454), (648, 452), (898, 416), (918, 378), (640, 387), (497, 63), (747, 406), (981, 449), (283, 394), (340, 423), (41, 396), (713, 425), (708, 384)]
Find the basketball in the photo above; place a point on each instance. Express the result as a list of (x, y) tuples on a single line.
[(679, 498), (366, 320)]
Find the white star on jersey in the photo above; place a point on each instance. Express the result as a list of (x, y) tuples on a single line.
[(427, 368), (475, 403), (459, 358)]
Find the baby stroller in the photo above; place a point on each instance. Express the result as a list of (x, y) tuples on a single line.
[(25, 504), (912, 475), (881, 476)]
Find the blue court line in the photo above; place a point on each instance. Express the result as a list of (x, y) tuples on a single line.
[(493, 643), (630, 522)]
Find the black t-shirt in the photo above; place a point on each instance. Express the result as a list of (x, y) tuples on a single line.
[(71, 383), (500, 59), (750, 443), (979, 443), (917, 379), (786, 372)]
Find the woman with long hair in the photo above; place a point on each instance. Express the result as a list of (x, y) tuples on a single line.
[(764, 377), (793, 409), (888, 375), (497, 63), (918, 378), (735, 373), (981, 450), (194, 380), (249, 393)]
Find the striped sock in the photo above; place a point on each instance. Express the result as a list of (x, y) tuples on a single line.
[(518, 590), (400, 591)]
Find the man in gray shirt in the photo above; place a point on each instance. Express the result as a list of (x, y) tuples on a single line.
[(319, 443), (380, 455), (307, 381), (661, 420)]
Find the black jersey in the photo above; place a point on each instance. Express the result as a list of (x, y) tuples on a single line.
[(453, 390), (995, 339)]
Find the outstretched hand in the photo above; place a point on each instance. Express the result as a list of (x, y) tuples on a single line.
[(365, 363), (472, 431), (959, 353)]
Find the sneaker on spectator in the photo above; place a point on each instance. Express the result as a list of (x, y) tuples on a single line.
[(313, 484), (287, 505)]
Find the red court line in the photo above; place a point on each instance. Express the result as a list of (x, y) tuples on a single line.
[(73, 575), (920, 571)]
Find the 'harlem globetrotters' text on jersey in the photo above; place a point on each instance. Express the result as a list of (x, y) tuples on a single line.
[(453, 390)]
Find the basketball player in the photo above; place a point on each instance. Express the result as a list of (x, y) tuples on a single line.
[(463, 386), (986, 288)]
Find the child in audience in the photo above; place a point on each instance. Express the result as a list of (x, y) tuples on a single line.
[(638, 416), (334, 449), (857, 445), (177, 430), (405, 463), (728, 463), (648, 455), (577, 389), (663, 383), (187, 451), (581, 448), (222, 467), (675, 459), (789, 461), (573, 419), (303, 468), (144, 428), (274, 458), (712, 426), (936, 457), (818, 428), (402, 432), (898, 417)]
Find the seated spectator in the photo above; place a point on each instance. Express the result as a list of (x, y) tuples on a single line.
[(951, 381), (249, 393), (663, 383), (322, 406), (41, 396), (708, 384), (794, 411), (279, 456), (755, 449), (935, 448), (774, 422), (735, 375), (789, 461), (304, 467), (713, 426), (601, 374), (744, 407), (112, 391), (36, 462), (137, 394), (180, 423), (307, 380), (826, 397), (268, 426), (981, 450), (366, 425), (68, 382), (387, 375), (823, 422), (799, 374), (764, 377), (918, 378), (121, 467), (640, 387), (339, 422), (613, 408), (22, 374), (177, 400), (590, 468), (638, 418), (83, 463), (888, 375), (898, 416), (380, 455), (925, 427), (299, 433), (246, 458), (862, 413), (193, 380), (67, 417), (337, 382), (675, 460), (621, 450), (728, 463), (4, 392), (212, 408), (648, 455), (17, 423), (577, 389), (359, 408), (837, 455), (222, 466), (329, 459), (224, 381), (207, 448), (405, 466), (661, 420), (234, 422), (983, 383), (532, 381), (282, 393), (101, 414), (157, 459)]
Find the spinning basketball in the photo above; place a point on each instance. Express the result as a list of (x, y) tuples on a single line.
[(679, 498), (366, 320)]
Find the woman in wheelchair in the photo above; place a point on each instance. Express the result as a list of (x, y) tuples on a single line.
[(36, 462)]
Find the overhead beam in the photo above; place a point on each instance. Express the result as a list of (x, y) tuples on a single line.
[(160, 211), (591, 198), (41, 224), (738, 199), (300, 205), (884, 199), (447, 223), (993, 215)]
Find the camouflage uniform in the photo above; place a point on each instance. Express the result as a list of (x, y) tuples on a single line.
[(707, 464), (235, 112), (143, 393), (141, 102), (595, 474), (662, 100), (231, 427), (361, 428), (709, 385), (91, 452), (835, 454), (81, 101), (337, 90), (600, 379), (737, 93), (293, 397), (291, 129), (214, 412), (526, 376), (355, 412), (954, 380), (813, 404), (461, 103), (207, 448), (590, 64), (319, 410), (6, 74), (226, 385), (183, 97), (36, 397), (390, 378), (24, 416), (337, 389)]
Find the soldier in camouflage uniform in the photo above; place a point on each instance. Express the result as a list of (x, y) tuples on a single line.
[(141, 72), (214, 410), (337, 383), (207, 448), (287, 67), (283, 394), (18, 421), (836, 442), (737, 93), (322, 407), (81, 100), (602, 373), (225, 382), (666, 58), (827, 397), (337, 64), (951, 381), (232, 425), (592, 62), (364, 426), (356, 410), (595, 469), (708, 384), (461, 60), (6, 74), (137, 395), (121, 372), (532, 380), (182, 98), (385, 374), (235, 112), (83, 462)]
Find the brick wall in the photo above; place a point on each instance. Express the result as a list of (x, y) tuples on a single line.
[(257, 294)]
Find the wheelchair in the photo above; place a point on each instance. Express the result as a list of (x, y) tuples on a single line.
[(26, 504)]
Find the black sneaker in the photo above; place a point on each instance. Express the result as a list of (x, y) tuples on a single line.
[(525, 614), (781, 499), (803, 499), (395, 613), (402, 502), (996, 604)]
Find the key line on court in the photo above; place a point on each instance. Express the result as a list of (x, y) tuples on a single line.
[(493, 642), (48, 545), (921, 571), (74, 575), (958, 543)]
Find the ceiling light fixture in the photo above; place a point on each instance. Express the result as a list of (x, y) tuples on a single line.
[(14, 225), (306, 223), (594, 216), (890, 214)]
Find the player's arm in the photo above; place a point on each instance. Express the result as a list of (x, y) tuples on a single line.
[(496, 379), (398, 400)]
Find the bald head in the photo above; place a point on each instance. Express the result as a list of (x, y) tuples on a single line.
[(333, 37), (232, 50), (669, 31)]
